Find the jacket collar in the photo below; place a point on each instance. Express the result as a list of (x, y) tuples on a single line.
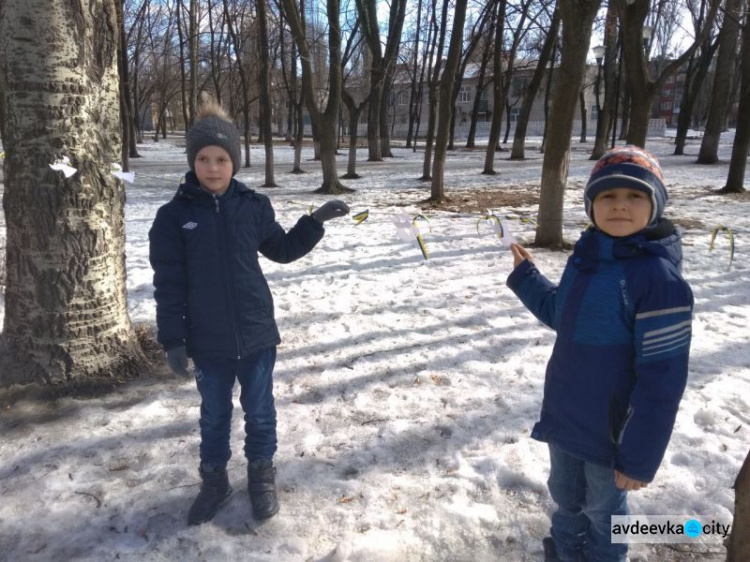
[(661, 240), (190, 189)]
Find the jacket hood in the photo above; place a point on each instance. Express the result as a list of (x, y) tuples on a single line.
[(662, 240)]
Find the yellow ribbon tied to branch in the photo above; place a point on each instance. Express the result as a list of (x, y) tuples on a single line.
[(730, 236), (359, 218), (420, 241)]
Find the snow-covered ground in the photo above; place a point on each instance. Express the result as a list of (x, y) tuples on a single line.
[(405, 389)]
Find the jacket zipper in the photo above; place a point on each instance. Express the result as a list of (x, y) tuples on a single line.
[(223, 242)]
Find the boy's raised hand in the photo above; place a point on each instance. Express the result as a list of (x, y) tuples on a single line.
[(519, 254), (330, 210), (628, 484)]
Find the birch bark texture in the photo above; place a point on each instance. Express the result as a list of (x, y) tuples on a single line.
[(66, 317)]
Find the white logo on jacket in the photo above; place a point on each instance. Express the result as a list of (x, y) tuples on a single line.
[(189, 225)]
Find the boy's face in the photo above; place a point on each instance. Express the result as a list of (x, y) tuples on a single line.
[(621, 211), (214, 168)]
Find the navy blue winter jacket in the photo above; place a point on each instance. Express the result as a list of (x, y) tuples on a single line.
[(622, 313), (210, 292)]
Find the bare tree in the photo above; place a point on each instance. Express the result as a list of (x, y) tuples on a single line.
[(324, 122), (122, 71), (382, 66), (695, 81), (432, 86), (577, 19), (417, 80), (738, 164), (446, 107), (66, 318), (497, 88), (606, 116), (519, 139), (505, 81), (723, 78), (641, 86), (295, 94), (481, 84), (193, 52), (354, 106), (266, 108), (467, 56), (183, 75), (238, 45)]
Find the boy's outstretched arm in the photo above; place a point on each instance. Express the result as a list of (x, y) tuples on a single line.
[(536, 292), (285, 247)]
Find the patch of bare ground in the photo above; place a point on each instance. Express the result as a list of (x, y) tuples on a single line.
[(744, 196), (688, 224), (480, 200)]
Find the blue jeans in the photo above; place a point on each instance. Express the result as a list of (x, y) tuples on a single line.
[(215, 379), (586, 498)]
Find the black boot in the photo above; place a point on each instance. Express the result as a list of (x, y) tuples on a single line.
[(215, 490), (261, 486)]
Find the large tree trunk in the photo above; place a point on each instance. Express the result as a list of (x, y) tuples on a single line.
[(738, 549), (266, 108), (375, 153), (385, 131), (130, 150), (66, 318), (577, 18), (432, 93), (299, 134), (355, 110), (738, 164), (694, 81), (122, 72), (582, 103), (430, 135), (723, 78), (446, 91), (519, 137), (547, 97)]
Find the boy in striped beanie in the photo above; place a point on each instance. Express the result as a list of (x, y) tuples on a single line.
[(622, 313)]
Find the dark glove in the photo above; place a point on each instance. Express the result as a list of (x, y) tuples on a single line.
[(330, 210), (177, 360)]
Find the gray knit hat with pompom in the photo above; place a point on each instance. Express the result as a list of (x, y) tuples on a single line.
[(213, 128)]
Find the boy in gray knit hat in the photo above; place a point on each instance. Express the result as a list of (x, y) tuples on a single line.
[(622, 316), (213, 304)]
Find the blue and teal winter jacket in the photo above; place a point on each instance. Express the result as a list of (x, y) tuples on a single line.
[(210, 291), (622, 313)]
